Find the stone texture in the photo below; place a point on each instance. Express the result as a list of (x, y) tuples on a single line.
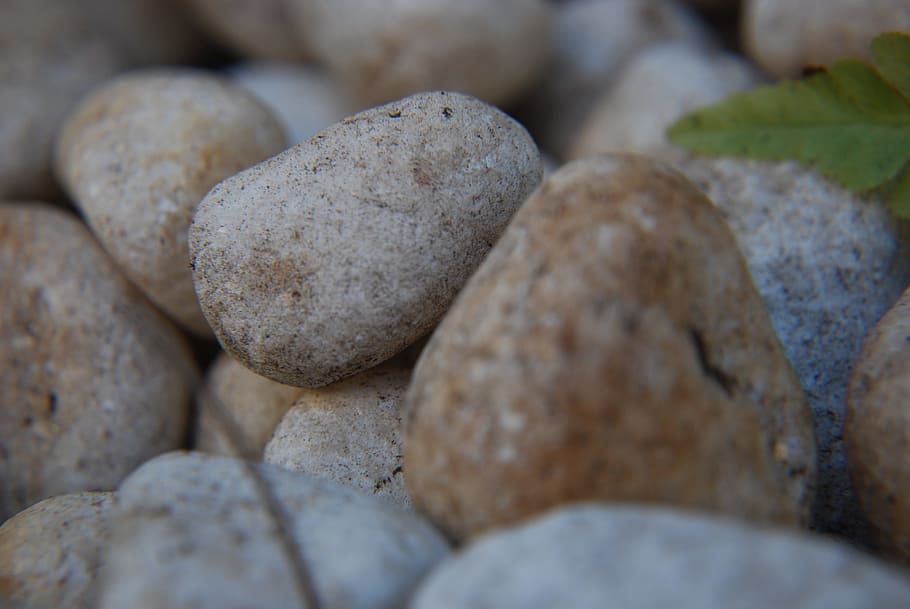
[(139, 153), (349, 432), (593, 40), (595, 556), (631, 118), (381, 51), (305, 98), (339, 252), (52, 552), (193, 531), (783, 36), (611, 346), (94, 380), (828, 264), (877, 429), (252, 404)]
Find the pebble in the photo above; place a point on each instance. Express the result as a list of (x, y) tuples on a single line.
[(877, 430), (305, 98), (828, 264), (610, 557), (783, 36), (52, 552), (630, 118), (193, 531), (336, 254), (139, 153), (586, 357), (349, 432), (94, 380), (491, 49), (253, 405), (592, 41)]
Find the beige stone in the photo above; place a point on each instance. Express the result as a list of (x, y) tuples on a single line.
[(492, 49), (51, 554), (257, 29), (94, 380), (611, 346), (139, 153), (877, 430), (350, 432), (334, 255), (783, 36)]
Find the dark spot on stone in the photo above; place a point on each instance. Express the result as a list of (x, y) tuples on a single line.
[(295, 294), (447, 112), (397, 470), (713, 372), (889, 498), (395, 114), (52, 403), (28, 421)]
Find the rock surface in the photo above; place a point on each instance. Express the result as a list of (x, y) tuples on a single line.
[(94, 380), (253, 405), (586, 357), (349, 432), (595, 556), (139, 153), (360, 237), (877, 429), (51, 553), (193, 531)]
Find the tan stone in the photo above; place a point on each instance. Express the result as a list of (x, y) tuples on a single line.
[(611, 346), (877, 429)]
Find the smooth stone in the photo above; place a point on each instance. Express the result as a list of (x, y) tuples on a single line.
[(350, 432), (95, 380), (611, 346), (194, 531), (610, 557), (52, 552), (139, 153), (334, 255)]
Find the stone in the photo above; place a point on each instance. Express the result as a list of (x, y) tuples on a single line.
[(783, 37), (613, 557), (877, 430), (52, 552), (491, 49), (139, 153), (592, 41), (305, 98), (350, 432), (631, 118), (195, 531), (94, 380), (334, 255), (611, 346), (252, 404)]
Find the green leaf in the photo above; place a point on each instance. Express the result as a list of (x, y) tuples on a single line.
[(891, 56), (850, 120), (899, 195)]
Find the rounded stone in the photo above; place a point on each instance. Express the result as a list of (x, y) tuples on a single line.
[(339, 252), (349, 432), (877, 430), (611, 346), (196, 531), (612, 557), (94, 380), (51, 554), (252, 404), (139, 153)]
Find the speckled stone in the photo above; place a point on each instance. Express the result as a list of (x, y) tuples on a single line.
[(139, 153), (611, 346), (349, 432), (193, 531), (783, 36), (877, 430), (601, 557), (592, 41), (336, 254), (94, 380), (252, 404), (51, 553)]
